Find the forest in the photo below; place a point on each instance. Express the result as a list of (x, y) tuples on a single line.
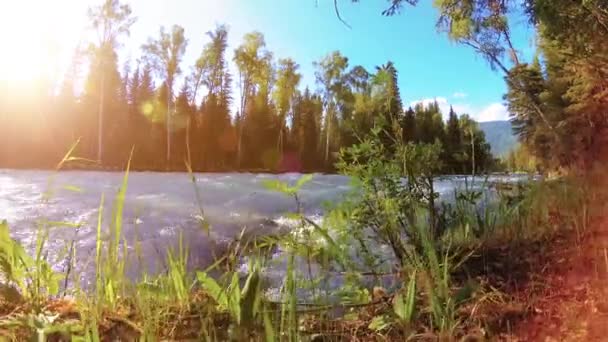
[(259, 119)]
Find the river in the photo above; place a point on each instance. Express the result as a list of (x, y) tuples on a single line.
[(159, 208)]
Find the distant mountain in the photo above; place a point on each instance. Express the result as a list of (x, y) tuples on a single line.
[(499, 135)]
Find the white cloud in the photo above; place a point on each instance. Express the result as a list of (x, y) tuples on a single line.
[(461, 108), (444, 106), (493, 112), (443, 103), (425, 102), (459, 95)]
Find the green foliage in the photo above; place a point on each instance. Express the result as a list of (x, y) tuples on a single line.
[(403, 215), (385, 203), (14, 260), (32, 277), (284, 188), (178, 275), (243, 305), (404, 306), (213, 289), (380, 323), (385, 92), (436, 268), (521, 160)]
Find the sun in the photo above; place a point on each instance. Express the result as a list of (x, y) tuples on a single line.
[(34, 35), (22, 62)]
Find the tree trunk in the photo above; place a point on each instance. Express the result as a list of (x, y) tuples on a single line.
[(239, 144), (242, 120), (432, 210), (473, 152), (168, 125), (188, 157), (328, 128), (280, 141), (100, 117)]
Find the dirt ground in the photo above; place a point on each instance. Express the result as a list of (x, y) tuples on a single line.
[(569, 300)]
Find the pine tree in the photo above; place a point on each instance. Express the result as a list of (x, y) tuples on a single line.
[(453, 143), (424, 124), (181, 117), (389, 98), (141, 106), (133, 83), (306, 124), (408, 126), (211, 143)]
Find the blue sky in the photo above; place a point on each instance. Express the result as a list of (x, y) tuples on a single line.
[(429, 65)]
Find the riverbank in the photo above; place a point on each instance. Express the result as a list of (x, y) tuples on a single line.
[(572, 303), (76, 167), (538, 293), (166, 169)]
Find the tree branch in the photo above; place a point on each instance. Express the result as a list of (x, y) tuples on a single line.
[(513, 51), (338, 14), (487, 54), (498, 63)]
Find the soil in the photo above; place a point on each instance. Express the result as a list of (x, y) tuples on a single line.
[(573, 302)]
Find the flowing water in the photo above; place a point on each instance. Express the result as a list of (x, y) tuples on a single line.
[(159, 208)]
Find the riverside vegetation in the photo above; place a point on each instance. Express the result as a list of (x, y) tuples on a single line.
[(445, 259)]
